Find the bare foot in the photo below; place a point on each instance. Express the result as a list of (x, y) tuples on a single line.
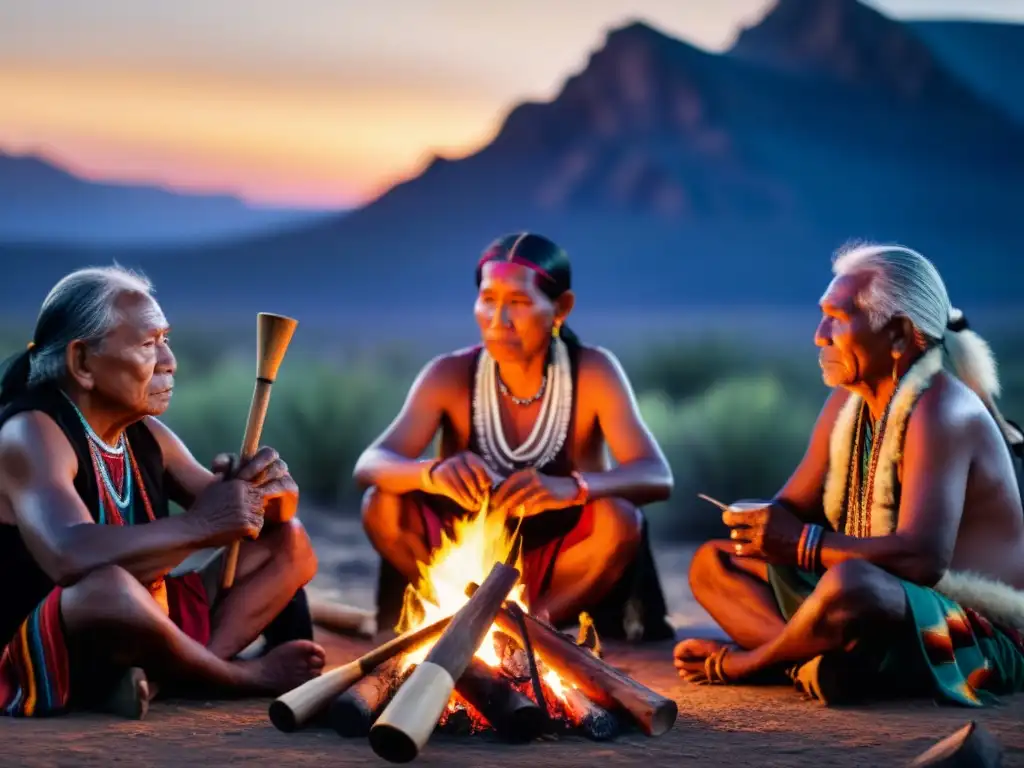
[(689, 656), (285, 667), (130, 697)]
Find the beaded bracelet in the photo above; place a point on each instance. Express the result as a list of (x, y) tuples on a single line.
[(808, 552), (583, 490)]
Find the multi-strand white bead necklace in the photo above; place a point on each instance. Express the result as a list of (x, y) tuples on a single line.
[(551, 428)]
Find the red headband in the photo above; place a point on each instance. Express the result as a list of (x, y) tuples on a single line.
[(513, 259)]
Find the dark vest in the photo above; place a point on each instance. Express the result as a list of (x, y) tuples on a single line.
[(23, 585)]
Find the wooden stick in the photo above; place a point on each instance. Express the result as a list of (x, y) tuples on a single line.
[(295, 708), (596, 722), (273, 335), (598, 680), (514, 716), (354, 711), (343, 619), (970, 747), (716, 502), (405, 725)]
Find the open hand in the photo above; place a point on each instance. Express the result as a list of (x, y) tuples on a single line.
[(464, 478), (769, 532), (528, 492), (267, 472)]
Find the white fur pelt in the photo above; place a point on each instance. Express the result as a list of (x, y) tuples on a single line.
[(993, 599)]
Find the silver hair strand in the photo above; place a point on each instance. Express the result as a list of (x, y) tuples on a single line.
[(86, 300), (903, 282)]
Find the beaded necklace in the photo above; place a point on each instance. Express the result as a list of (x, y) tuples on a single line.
[(549, 430), (115, 504), (863, 466)]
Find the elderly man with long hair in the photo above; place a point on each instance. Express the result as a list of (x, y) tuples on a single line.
[(95, 609), (892, 561)]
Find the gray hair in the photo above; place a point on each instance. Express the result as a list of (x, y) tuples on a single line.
[(82, 306), (904, 283)]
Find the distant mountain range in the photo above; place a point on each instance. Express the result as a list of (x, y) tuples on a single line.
[(42, 203), (675, 178)]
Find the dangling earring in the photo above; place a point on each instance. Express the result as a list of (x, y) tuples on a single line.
[(555, 330), (895, 378)]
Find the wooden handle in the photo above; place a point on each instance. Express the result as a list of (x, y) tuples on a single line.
[(404, 727), (273, 335), (250, 444), (296, 707)]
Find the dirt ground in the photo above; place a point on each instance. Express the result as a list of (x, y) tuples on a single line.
[(717, 726)]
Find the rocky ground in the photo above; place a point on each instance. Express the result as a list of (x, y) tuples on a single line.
[(717, 726)]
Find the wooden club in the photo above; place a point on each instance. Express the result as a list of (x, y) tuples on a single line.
[(295, 708), (273, 335)]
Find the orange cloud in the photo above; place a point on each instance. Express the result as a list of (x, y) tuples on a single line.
[(322, 142)]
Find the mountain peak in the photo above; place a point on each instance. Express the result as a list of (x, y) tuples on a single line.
[(850, 42)]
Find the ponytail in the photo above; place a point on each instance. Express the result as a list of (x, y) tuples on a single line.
[(17, 369), (973, 362)]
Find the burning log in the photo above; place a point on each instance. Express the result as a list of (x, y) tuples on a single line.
[(405, 725), (354, 711), (599, 681), (596, 722), (514, 716), (295, 708)]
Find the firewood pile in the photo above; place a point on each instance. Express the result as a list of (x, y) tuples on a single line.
[(491, 668)]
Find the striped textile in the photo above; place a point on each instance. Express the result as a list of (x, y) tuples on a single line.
[(34, 677)]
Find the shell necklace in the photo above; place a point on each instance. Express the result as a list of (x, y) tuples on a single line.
[(549, 430)]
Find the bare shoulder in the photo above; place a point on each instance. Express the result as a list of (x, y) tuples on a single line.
[(950, 412), (600, 366), (32, 446), (448, 370)]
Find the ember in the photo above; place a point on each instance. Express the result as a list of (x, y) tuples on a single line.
[(522, 680)]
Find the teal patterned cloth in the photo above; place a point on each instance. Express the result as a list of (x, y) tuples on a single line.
[(955, 652)]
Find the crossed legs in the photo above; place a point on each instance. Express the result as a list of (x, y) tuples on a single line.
[(851, 601), (110, 617)]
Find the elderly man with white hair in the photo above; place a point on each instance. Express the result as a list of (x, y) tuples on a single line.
[(892, 561), (94, 608)]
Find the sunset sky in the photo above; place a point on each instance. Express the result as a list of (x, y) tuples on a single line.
[(314, 103)]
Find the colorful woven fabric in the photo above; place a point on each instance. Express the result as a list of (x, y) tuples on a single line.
[(34, 679), (958, 654)]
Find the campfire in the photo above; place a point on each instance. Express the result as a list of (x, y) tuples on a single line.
[(470, 658)]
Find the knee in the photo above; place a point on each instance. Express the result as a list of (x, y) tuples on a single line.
[(379, 513), (622, 523), (706, 567), (106, 594), (291, 544), (850, 590)]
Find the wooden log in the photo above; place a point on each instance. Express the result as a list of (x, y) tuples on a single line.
[(602, 683), (405, 725), (514, 716), (295, 708), (343, 619), (970, 747), (596, 722), (354, 711)]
